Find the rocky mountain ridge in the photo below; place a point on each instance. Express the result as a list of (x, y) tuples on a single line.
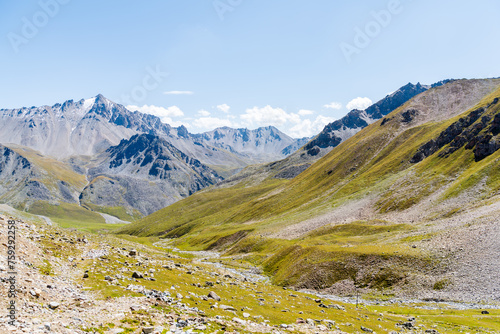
[(338, 131), (90, 126), (331, 136)]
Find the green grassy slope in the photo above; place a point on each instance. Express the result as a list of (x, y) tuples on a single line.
[(53, 170), (371, 162), (375, 164)]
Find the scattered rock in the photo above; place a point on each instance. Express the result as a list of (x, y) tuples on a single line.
[(182, 323), (53, 305), (227, 308), (239, 321), (368, 330), (213, 295), (137, 274), (148, 330), (35, 292), (407, 325), (116, 331)]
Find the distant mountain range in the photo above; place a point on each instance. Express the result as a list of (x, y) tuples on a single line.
[(90, 126), (121, 158)]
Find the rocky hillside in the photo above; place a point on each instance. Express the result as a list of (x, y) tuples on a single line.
[(145, 173), (394, 207), (18, 175)]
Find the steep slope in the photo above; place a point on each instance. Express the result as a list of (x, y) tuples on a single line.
[(368, 214), (144, 173), (17, 176)]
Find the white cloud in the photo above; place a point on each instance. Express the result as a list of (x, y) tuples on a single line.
[(179, 92), (268, 116), (333, 105), (360, 103), (304, 112), (172, 111), (210, 123), (203, 113), (173, 123), (224, 108), (309, 128), (165, 114)]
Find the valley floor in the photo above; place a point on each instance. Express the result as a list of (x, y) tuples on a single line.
[(70, 282)]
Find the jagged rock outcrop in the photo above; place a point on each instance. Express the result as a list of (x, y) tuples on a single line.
[(145, 173), (474, 131)]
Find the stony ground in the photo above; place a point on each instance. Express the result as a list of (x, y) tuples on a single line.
[(69, 282)]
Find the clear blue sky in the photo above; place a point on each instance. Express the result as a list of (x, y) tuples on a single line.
[(274, 62)]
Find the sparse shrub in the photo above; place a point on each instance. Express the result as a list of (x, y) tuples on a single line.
[(441, 284), (46, 268)]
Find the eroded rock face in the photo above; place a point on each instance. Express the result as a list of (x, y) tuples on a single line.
[(474, 131)]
